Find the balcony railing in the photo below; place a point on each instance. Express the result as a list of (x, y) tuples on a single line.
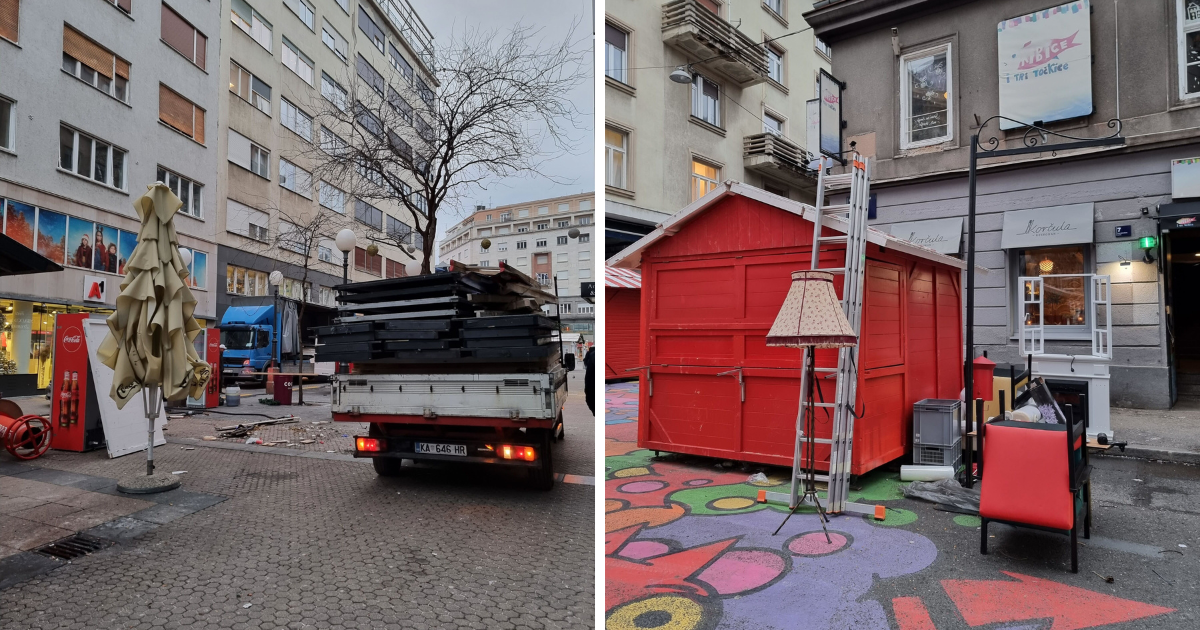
[(703, 36), (775, 155)]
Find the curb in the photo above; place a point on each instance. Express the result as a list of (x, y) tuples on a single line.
[(1135, 451)]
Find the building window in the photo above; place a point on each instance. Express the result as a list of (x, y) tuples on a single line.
[(562, 240), (187, 190), (616, 53), (324, 253), (251, 23), (333, 92), (332, 143), (425, 93), (1189, 48), (585, 273), (260, 161), (775, 64), (564, 257), (295, 179), (706, 100), (616, 149), (521, 244), (249, 88), (368, 120), (369, 74), (335, 41), (371, 29), (541, 243), (585, 238), (296, 120), (772, 124), (95, 65), (183, 37), (704, 178), (585, 255), (10, 18), (926, 112), (823, 48), (543, 279), (249, 155), (398, 230), (585, 220), (367, 263), (564, 223), (775, 5), (8, 124), (345, 4), (180, 114), (506, 216), (542, 226), (242, 281), (332, 197), (297, 62), (367, 214), (91, 157), (1065, 289), (400, 63), (303, 11), (543, 210)]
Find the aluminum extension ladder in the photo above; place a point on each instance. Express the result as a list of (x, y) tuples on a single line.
[(853, 217)]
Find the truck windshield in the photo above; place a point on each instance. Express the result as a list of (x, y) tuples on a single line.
[(239, 339)]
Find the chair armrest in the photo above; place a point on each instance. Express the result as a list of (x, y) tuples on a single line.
[(1083, 476)]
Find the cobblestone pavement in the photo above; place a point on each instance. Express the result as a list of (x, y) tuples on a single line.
[(317, 541)]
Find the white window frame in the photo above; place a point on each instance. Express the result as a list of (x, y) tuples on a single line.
[(297, 62), (822, 48), (334, 92), (295, 179), (906, 96), (328, 196), (775, 64), (616, 60), (1053, 331), (110, 153), (711, 183), (178, 183), (1183, 27), (704, 108), (9, 123), (305, 12), (260, 161), (768, 114), (585, 238), (260, 101), (295, 120), (258, 29), (334, 41), (617, 178)]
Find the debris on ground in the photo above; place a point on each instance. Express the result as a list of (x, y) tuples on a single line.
[(209, 438), (178, 472), (758, 478), (947, 494), (254, 440)]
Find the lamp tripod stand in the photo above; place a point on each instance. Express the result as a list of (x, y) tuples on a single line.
[(810, 437)]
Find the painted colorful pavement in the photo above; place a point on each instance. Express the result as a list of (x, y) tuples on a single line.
[(687, 547)]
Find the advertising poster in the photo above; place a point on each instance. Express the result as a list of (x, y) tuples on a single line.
[(79, 243), (831, 115), (52, 236), (104, 249), (19, 221), (125, 249), (68, 397), (1045, 64)]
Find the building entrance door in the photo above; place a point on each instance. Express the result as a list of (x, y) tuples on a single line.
[(1182, 254)]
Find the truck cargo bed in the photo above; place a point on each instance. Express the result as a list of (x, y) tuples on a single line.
[(507, 395)]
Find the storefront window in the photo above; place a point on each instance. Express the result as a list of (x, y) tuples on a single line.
[(1064, 282), (27, 337)]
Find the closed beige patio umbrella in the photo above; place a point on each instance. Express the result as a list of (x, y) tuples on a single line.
[(149, 342)]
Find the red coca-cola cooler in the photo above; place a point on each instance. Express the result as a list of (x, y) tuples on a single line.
[(73, 410)]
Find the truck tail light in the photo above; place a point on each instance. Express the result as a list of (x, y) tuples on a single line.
[(509, 451), (368, 444)]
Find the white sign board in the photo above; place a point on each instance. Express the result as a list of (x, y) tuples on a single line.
[(124, 429), (95, 288), (1185, 178), (831, 115), (1043, 227), (941, 235), (1046, 64), (813, 113)]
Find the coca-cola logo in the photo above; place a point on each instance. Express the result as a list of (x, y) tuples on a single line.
[(72, 339)]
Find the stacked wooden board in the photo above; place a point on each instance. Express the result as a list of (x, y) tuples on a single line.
[(472, 315)]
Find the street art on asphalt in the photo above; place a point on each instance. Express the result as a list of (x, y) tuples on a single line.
[(687, 547)]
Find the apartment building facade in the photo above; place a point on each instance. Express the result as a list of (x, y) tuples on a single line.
[(97, 101), (535, 238), (926, 76), (286, 61), (702, 91)]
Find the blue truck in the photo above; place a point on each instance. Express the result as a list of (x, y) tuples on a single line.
[(251, 346)]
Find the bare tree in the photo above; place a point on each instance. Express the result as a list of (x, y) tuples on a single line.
[(499, 108)]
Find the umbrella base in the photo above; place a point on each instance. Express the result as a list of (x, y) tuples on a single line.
[(148, 484)]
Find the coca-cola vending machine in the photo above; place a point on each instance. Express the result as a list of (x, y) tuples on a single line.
[(208, 346), (74, 412)]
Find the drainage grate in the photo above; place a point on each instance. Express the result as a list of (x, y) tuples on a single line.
[(72, 547)]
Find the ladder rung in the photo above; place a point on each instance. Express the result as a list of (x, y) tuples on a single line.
[(831, 270), (822, 404), (833, 239), (837, 207), (838, 180), (825, 369)]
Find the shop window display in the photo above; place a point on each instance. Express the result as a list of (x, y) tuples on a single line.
[(1065, 301)]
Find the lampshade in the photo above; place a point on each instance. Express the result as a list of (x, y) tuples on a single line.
[(811, 315)]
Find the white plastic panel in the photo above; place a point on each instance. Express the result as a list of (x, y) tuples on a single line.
[(1101, 317), (1032, 315)]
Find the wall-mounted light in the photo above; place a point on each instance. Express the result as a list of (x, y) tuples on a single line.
[(896, 41), (1148, 243)]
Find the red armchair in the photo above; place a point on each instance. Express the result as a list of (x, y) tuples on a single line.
[(1037, 476)]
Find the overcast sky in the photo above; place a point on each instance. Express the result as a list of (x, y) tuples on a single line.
[(448, 18)]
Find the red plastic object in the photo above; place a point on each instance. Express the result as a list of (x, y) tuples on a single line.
[(1026, 480), (982, 371), (27, 437), (283, 389), (710, 293)]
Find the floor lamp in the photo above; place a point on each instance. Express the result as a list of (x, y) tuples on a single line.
[(811, 318)]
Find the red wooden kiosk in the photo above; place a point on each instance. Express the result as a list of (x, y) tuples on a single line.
[(713, 279), (622, 321)]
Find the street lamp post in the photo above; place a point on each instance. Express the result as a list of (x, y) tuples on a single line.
[(346, 241), (275, 278)]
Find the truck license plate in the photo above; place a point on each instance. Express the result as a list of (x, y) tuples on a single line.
[(442, 449)]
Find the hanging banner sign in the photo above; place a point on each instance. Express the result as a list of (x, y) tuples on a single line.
[(831, 115), (1042, 227), (1045, 64), (943, 236)]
